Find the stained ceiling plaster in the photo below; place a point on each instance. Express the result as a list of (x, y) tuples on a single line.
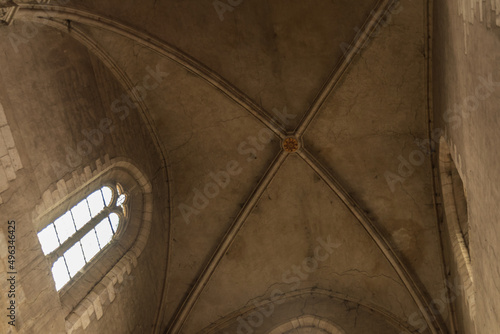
[(229, 93)]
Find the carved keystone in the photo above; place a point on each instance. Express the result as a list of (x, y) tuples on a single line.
[(290, 145)]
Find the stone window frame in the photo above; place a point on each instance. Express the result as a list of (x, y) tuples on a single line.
[(308, 321), (459, 248), (89, 292), (117, 190)]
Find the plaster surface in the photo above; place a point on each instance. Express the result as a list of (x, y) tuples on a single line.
[(202, 101)]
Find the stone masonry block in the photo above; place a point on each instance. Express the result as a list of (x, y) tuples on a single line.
[(7, 137), (16, 160), (3, 119), (4, 182), (3, 147), (7, 166)]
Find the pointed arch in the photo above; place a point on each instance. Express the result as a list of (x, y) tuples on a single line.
[(309, 322), (95, 286), (456, 224)]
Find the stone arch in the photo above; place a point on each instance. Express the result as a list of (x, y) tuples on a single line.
[(307, 324), (269, 308), (93, 295), (454, 202)]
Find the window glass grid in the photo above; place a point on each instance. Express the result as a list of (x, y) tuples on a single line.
[(62, 230), (82, 251)]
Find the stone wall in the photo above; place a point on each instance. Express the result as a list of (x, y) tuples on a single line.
[(466, 98), (58, 130)]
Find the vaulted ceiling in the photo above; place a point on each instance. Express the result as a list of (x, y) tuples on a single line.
[(342, 226)]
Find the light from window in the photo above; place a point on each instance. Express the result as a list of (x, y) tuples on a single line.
[(76, 237)]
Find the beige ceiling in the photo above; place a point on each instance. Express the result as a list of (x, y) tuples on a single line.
[(355, 116)]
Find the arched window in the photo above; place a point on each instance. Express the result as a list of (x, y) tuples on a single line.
[(92, 228), (454, 202), (76, 237)]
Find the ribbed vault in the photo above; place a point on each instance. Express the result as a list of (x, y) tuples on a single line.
[(269, 208)]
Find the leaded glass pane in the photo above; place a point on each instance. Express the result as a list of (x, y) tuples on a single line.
[(74, 259), (107, 194), (115, 221), (121, 199), (48, 239), (96, 202), (81, 214), (60, 273), (104, 232), (90, 245), (64, 227)]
